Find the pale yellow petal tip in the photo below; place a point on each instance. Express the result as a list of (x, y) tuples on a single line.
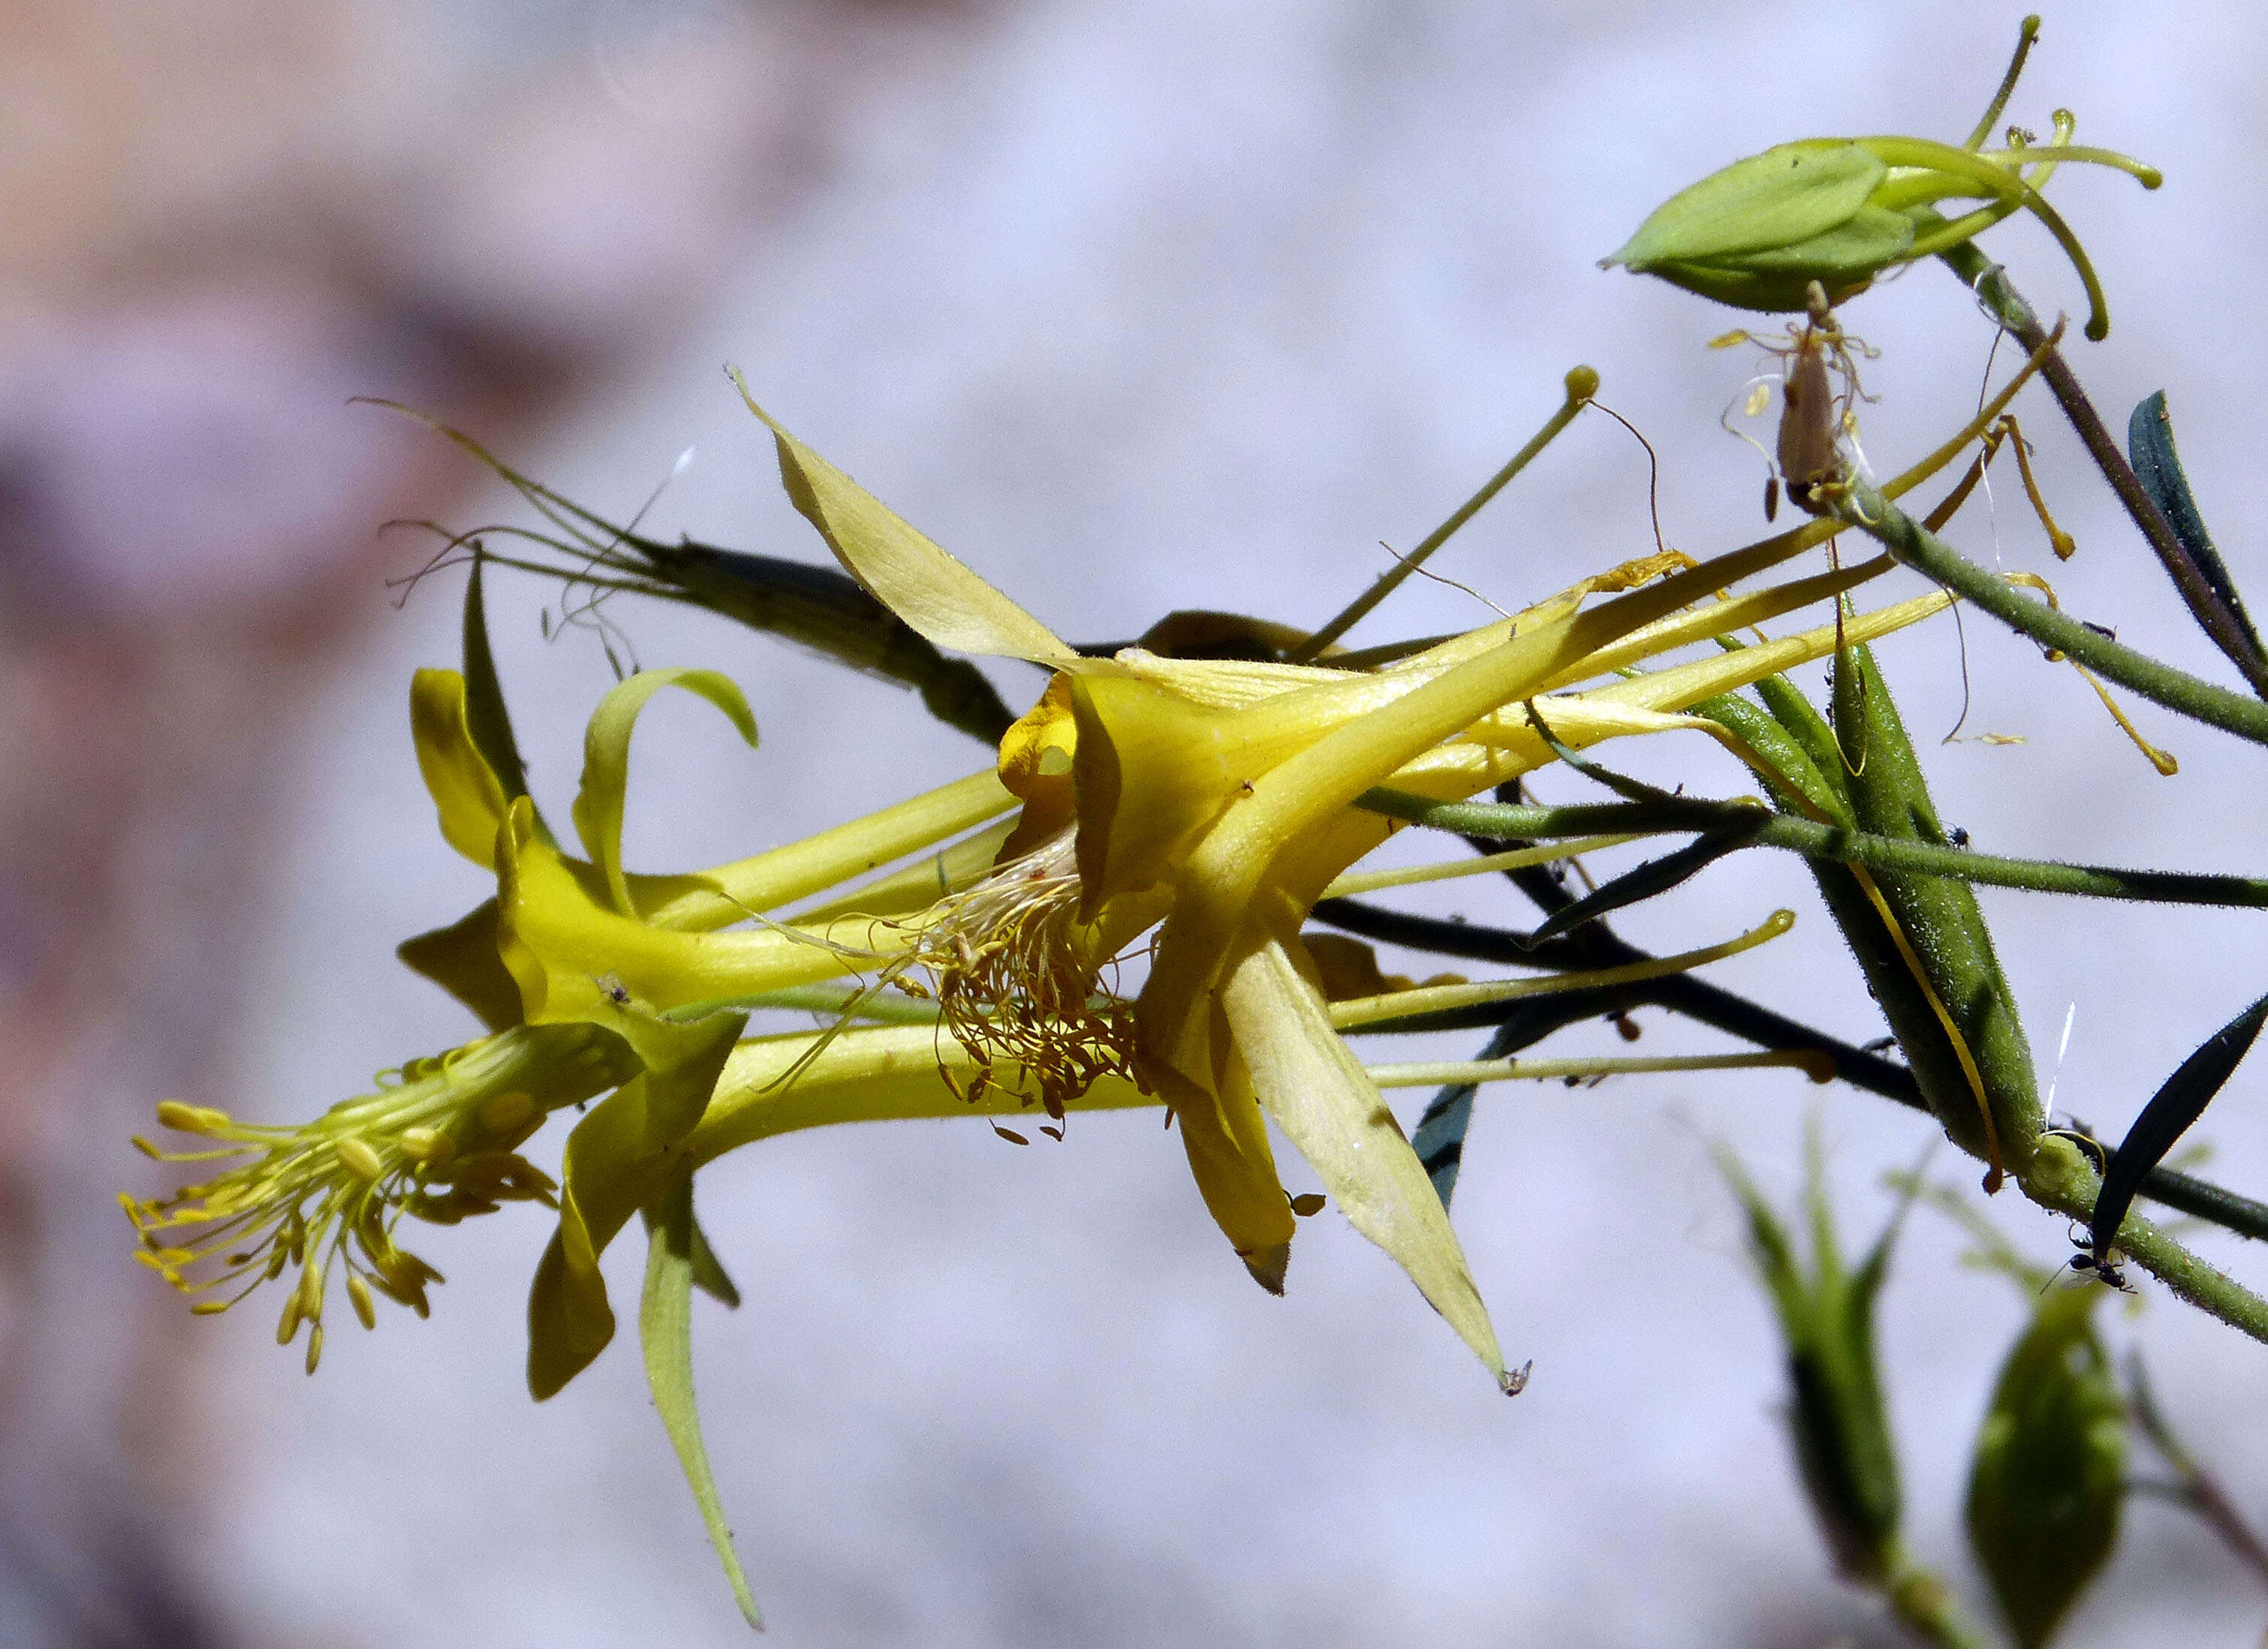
[(1513, 1382), (1268, 1266)]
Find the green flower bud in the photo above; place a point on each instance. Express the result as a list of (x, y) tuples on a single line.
[(1756, 234), (1967, 1036), (1837, 1419), (2047, 1482), (1841, 210), (1936, 978)]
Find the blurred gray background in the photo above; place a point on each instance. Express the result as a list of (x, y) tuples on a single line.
[(1133, 307)]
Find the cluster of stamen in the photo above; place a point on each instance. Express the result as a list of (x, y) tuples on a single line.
[(1016, 985), (436, 1141)]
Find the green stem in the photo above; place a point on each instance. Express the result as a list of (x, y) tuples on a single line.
[(1706, 1003), (1990, 282), (2061, 1178), (1913, 544), (1928, 1608), (1823, 842), (1582, 384)]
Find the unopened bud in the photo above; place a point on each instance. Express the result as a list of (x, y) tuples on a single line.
[(1837, 1418), (2049, 1477), (1842, 210)]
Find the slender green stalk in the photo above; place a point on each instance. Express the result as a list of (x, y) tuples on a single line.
[(1990, 283), (2061, 1177), (1825, 842), (1925, 1606), (1596, 947), (1582, 384), (1913, 544), (1433, 1073)]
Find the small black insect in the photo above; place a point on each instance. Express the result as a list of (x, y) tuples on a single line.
[(1958, 836), (1879, 1045), (2088, 1262), (2104, 630), (2103, 1271)]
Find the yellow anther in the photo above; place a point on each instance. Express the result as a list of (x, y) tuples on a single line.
[(288, 1324), (190, 1119), (147, 1149), (360, 1159), (208, 1308), (358, 1292), (314, 1347), (310, 1294), (426, 1144), (507, 1111)]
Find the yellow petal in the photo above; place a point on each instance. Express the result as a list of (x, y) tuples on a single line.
[(1347, 969), (599, 804), (462, 958), (863, 1076), (568, 951), (942, 598), (1226, 1140), (603, 1176), (466, 791), (920, 884), (1308, 1081), (767, 882)]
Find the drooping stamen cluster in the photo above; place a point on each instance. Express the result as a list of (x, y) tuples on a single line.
[(439, 1141), (1017, 982)]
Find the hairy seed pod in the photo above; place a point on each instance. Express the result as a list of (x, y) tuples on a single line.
[(1942, 926)]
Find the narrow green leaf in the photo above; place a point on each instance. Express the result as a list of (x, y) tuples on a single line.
[(665, 1329), (2167, 1115), (2158, 467), (1655, 876)]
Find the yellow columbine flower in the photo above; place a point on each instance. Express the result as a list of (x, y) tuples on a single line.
[(1218, 796)]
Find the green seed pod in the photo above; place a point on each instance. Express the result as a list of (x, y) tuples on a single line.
[(1837, 1419), (1939, 921), (1841, 210), (1758, 233), (2048, 1480)]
